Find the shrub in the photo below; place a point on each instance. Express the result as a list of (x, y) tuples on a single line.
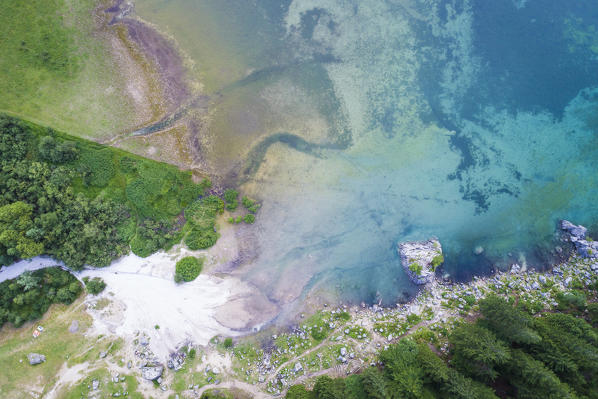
[(416, 268), (97, 167), (228, 343), (188, 268), (437, 261), (318, 334), (201, 238), (95, 285), (230, 196), (571, 301), (250, 204), (249, 218)]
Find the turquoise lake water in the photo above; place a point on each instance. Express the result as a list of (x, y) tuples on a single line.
[(472, 121)]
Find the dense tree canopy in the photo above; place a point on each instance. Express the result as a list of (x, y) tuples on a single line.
[(506, 353), (84, 203), (28, 296)]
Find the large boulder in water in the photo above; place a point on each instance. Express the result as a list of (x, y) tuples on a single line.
[(575, 232), (420, 259), (577, 235)]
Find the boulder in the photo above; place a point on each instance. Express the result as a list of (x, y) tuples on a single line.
[(577, 235), (35, 358), (420, 259), (74, 326), (152, 372), (575, 232)]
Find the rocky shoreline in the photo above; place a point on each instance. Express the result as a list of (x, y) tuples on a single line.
[(335, 340), (346, 339)]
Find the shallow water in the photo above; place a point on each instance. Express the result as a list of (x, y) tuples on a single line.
[(472, 121)]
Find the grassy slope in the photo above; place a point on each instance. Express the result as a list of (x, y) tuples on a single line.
[(56, 343), (56, 68)]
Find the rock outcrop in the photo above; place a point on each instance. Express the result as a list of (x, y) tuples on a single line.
[(35, 358), (152, 372), (577, 235), (420, 259)]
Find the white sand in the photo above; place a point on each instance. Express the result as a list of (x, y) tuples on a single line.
[(142, 294)]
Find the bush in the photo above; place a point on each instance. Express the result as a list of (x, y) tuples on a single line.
[(571, 301), (249, 218), (188, 268), (230, 196), (97, 167), (95, 285), (318, 334), (437, 261), (416, 268), (201, 239), (228, 343), (250, 204)]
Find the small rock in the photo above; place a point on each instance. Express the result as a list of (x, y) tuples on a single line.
[(129, 364), (35, 358), (515, 268), (567, 281), (343, 351), (478, 250), (74, 326), (103, 354), (298, 367), (143, 340), (216, 370)]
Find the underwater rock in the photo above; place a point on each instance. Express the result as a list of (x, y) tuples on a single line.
[(420, 259)]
